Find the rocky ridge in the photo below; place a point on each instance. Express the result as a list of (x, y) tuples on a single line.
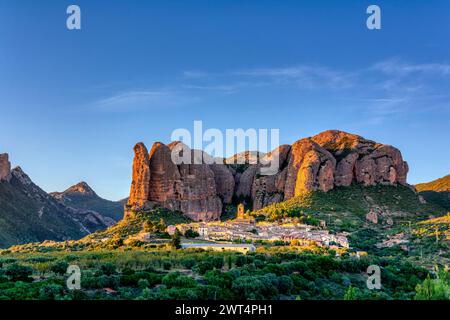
[(330, 159), (82, 197), (29, 214)]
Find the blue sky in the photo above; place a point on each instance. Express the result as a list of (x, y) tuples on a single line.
[(73, 103)]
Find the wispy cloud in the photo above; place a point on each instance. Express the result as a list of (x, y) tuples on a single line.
[(303, 76), (195, 74), (143, 99), (382, 90), (396, 67)]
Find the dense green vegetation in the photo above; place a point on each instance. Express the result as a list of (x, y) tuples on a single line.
[(177, 274), (344, 208), (138, 259), (440, 198), (400, 213)]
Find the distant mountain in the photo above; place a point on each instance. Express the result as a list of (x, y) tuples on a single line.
[(81, 196), (436, 191), (29, 214)]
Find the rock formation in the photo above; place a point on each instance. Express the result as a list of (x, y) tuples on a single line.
[(141, 176), (329, 159), (5, 167), (224, 179), (310, 167), (186, 187)]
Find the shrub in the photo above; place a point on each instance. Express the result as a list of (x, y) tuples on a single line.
[(17, 272), (50, 292), (191, 234), (108, 269), (59, 267), (143, 283), (175, 279)]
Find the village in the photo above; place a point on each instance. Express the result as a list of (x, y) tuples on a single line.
[(244, 229)]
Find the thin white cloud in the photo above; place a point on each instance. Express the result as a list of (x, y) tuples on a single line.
[(143, 99), (195, 74), (397, 68), (385, 89), (304, 76), (300, 76)]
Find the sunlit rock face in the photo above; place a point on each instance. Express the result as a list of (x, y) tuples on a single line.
[(186, 187), (5, 167), (310, 167), (363, 161), (141, 176), (320, 163)]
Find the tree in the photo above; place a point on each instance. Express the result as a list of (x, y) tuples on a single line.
[(143, 283), (350, 294), (50, 292), (176, 240), (191, 234), (434, 289)]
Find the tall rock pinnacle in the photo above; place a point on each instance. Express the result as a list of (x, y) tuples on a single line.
[(141, 176)]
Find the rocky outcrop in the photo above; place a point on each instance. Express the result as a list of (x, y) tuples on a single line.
[(224, 180), (363, 161), (330, 159), (310, 167), (268, 189), (81, 188), (5, 167), (199, 198), (187, 187), (372, 216), (165, 179), (141, 176)]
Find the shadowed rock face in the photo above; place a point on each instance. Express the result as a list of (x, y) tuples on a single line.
[(224, 181), (331, 158), (5, 167), (267, 189)]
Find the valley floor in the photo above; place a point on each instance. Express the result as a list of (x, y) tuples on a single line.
[(267, 273)]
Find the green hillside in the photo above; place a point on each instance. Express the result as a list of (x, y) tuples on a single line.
[(436, 192), (345, 208), (400, 214), (438, 185)]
